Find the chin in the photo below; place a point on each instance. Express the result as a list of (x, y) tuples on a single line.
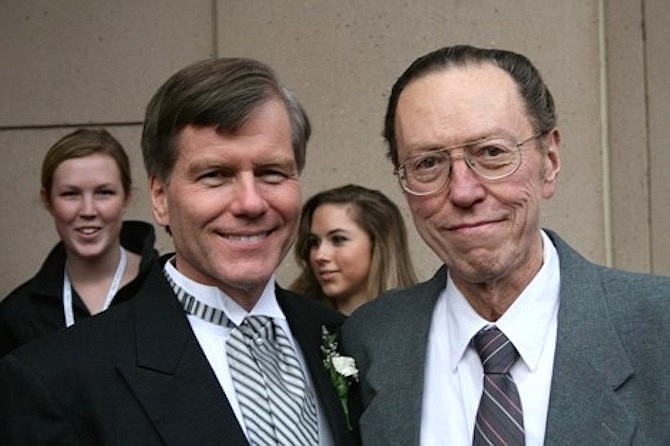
[(89, 253), (251, 275)]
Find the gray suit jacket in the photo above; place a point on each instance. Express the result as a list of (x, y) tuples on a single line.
[(611, 378)]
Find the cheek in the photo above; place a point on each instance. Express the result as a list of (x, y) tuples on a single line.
[(199, 208), (285, 197), (289, 206), (360, 257), (62, 212), (423, 208), (360, 268), (115, 210), (529, 187)]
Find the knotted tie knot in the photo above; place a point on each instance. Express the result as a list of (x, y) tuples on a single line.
[(276, 404), (255, 327), (496, 352)]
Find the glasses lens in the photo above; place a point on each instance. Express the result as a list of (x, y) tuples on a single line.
[(493, 159), (426, 174)]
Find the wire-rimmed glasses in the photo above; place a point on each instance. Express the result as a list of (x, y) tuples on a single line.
[(491, 159)]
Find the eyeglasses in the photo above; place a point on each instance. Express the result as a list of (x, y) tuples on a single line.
[(491, 159)]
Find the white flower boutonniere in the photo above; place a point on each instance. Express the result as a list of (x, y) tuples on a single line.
[(342, 369)]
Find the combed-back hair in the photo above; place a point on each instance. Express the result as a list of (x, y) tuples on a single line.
[(536, 96)]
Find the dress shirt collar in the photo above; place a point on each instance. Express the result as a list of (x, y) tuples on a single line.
[(526, 322), (267, 304)]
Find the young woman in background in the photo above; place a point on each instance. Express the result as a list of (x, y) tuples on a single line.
[(352, 246), (100, 259)]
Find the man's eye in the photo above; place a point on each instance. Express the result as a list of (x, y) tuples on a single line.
[(490, 151), (210, 174), (213, 177), (273, 176), (429, 162)]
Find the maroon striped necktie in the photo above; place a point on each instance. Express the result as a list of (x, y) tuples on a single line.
[(499, 418)]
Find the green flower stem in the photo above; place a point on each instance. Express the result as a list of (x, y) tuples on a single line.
[(345, 407)]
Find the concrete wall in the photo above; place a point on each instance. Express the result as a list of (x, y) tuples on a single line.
[(90, 62)]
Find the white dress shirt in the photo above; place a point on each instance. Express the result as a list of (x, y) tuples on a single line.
[(454, 372), (212, 337)]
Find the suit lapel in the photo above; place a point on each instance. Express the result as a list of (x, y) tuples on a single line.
[(305, 327), (584, 408), (590, 363), (393, 416), (172, 378)]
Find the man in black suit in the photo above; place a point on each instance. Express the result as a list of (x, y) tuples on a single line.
[(224, 145)]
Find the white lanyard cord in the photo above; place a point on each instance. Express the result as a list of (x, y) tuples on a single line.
[(113, 288)]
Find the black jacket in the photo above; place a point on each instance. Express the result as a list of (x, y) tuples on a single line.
[(136, 375), (35, 308)]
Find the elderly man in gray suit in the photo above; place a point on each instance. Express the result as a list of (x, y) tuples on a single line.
[(517, 339)]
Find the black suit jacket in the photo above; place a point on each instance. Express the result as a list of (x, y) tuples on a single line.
[(135, 375)]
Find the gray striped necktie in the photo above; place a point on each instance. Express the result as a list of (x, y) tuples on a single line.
[(277, 406), (499, 417), (275, 403)]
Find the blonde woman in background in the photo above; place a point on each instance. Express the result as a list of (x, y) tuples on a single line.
[(352, 246)]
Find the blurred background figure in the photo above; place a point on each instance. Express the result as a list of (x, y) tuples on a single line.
[(100, 259), (352, 246)]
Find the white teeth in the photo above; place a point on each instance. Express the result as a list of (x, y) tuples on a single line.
[(247, 238), (88, 230)]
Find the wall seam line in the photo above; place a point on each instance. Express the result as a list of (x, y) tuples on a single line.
[(215, 30), (647, 130), (604, 136)]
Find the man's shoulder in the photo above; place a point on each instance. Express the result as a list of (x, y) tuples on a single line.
[(577, 268), (420, 295), (628, 297), (399, 307), (638, 296)]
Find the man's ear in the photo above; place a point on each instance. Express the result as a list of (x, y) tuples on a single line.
[(159, 201), (552, 162)]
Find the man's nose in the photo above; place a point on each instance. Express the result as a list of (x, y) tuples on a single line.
[(249, 198), (465, 185)]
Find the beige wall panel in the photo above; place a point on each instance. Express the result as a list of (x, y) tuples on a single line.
[(628, 136), (80, 61), (342, 57), (657, 17), (63, 61), (28, 229)]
